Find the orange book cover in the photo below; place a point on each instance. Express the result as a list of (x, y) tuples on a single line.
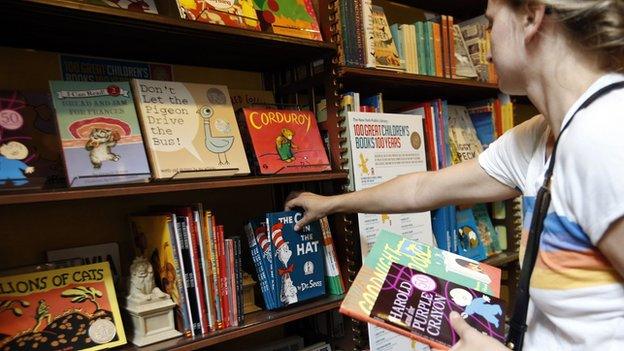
[(285, 141), (452, 60), (295, 18), (437, 49), (444, 33), (71, 308), (231, 13)]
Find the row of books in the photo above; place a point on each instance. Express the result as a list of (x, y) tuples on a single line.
[(196, 264), (293, 266), (120, 132), (432, 45), (295, 18)]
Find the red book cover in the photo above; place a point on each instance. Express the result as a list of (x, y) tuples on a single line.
[(285, 141), (216, 278), (223, 278)]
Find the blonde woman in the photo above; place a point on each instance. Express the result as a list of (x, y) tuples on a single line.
[(559, 53)]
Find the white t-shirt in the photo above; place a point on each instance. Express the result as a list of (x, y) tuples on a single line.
[(577, 298)]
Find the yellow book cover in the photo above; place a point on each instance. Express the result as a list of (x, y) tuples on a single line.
[(189, 129), (71, 308)]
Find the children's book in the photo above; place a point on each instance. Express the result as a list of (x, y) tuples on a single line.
[(73, 307), (419, 306), (148, 6), (285, 141), (100, 133), (247, 98), (190, 129), (231, 13), (386, 55), (462, 135), (30, 154), (298, 258), (393, 248), (108, 252), (295, 18), (469, 243), (486, 231)]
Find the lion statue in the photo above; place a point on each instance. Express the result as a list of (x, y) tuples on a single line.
[(141, 288)]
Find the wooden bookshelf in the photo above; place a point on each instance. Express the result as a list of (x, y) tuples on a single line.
[(463, 9), (20, 197), (81, 28), (254, 322), (413, 87)]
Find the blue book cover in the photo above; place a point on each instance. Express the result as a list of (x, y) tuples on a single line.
[(298, 260), (261, 255), (470, 244), (99, 129)]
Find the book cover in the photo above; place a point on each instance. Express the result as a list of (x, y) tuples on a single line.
[(260, 253), (147, 6), (100, 133), (333, 277), (248, 98), (108, 252), (285, 141), (55, 309), (231, 13), (154, 238), (420, 304), (486, 231), (97, 69), (470, 242), (190, 129), (384, 146), (298, 258), (30, 154), (295, 18), (462, 135), (386, 55)]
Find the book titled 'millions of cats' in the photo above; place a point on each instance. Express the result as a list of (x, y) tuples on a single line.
[(420, 304), (476, 279), (71, 308)]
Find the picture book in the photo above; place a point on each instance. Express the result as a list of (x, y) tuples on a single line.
[(382, 147), (73, 307), (260, 249), (190, 130), (298, 258), (100, 133), (285, 141), (419, 305), (485, 230), (231, 13), (469, 241), (98, 69), (248, 98), (154, 238), (108, 252), (295, 18), (30, 154), (148, 6), (386, 55), (465, 144)]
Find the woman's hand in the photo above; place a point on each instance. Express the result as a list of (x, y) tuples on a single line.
[(471, 339), (314, 206)]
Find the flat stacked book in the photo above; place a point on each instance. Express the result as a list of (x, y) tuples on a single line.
[(232, 13), (290, 264), (404, 285), (100, 134), (190, 129)]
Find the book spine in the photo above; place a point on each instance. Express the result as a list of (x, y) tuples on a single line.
[(335, 285), (187, 261), (182, 313), (223, 278), (229, 268), (444, 34), (451, 34), (369, 39), (205, 266), (216, 271), (437, 49), (238, 270), (256, 256), (197, 272)]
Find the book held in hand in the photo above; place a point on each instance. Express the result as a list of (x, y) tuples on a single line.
[(420, 304)]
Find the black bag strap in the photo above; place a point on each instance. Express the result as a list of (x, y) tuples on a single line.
[(517, 324)]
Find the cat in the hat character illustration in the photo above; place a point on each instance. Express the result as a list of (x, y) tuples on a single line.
[(288, 293), (263, 241)]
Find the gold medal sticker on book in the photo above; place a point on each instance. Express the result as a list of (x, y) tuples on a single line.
[(73, 307)]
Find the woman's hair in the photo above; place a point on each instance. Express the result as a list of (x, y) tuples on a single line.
[(596, 25)]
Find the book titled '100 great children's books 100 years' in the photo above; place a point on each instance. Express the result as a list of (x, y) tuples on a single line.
[(410, 288)]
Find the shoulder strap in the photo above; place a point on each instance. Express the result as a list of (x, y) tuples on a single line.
[(517, 324)]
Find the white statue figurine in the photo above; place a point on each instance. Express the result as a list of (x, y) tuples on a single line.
[(142, 287)]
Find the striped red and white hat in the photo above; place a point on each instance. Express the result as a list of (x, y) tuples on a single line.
[(263, 240), (276, 235)]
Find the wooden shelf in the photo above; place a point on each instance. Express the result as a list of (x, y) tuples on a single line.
[(79, 28), (413, 87), (254, 322), (464, 9), (20, 197), (502, 259)]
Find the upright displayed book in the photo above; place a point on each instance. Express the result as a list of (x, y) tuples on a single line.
[(100, 134), (386, 54), (285, 141), (231, 13), (295, 18), (30, 154), (108, 252), (465, 144), (474, 277), (73, 307), (190, 130)]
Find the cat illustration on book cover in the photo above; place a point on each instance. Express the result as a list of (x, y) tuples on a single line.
[(99, 145), (288, 292)]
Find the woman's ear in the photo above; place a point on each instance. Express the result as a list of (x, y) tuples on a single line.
[(533, 20)]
